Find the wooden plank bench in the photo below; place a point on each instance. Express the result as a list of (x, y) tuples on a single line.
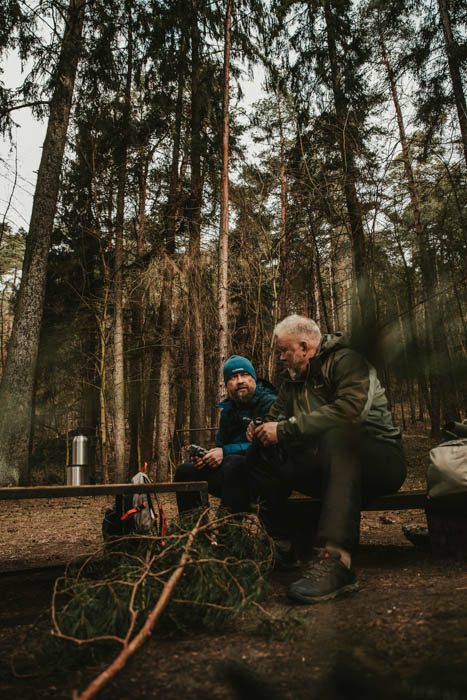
[(303, 513), (446, 519), (11, 493), (402, 500)]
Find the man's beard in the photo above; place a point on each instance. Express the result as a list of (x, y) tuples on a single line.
[(244, 397), (297, 373)]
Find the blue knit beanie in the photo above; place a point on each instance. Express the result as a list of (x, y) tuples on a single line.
[(237, 363)]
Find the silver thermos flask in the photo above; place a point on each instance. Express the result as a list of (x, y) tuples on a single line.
[(77, 473)]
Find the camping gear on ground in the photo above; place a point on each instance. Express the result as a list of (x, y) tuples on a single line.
[(446, 505), (447, 471), (134, 513)]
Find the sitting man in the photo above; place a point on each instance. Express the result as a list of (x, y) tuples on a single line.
[(223, 467), (330, 435)]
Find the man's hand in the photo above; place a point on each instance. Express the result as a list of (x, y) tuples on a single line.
[(198, 462), (266, 434), (250, 431), (213, 458)]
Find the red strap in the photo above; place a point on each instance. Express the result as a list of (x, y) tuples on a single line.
[(133, 511)]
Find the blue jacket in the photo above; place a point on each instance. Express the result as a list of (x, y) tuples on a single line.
[(231, 435)]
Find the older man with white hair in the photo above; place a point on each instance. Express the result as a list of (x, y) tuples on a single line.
[(329, 434)]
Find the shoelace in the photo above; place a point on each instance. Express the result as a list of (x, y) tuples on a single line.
[(320, 566)]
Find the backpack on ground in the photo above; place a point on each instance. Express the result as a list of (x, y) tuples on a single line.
[(447, 471), (446, 504), (134, 513)]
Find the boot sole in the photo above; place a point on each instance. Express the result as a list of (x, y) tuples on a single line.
[(310, 600)]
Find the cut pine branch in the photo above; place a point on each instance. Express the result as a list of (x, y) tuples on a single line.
[(129, 649)]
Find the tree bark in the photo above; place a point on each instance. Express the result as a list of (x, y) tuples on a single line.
[(284, 243), (163, 405), (17, 387), (136, 369), (452, 51), (101, 320), (197, 395), (366, 328), (165, 311), (433, 325), (121, 472), (222, 294)]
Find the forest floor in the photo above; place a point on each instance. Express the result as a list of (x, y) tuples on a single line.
[(403, 635)]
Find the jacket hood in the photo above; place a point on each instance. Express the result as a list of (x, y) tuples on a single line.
[(331, 342)]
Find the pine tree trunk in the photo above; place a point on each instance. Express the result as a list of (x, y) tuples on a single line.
[(284, 243), (408, 373), (317, 269), (453, 51), (149, 404), (165, 312), (136, 364), (163, 406), (121, 472), (433, 325), (363, 328), (103, 428), (17, 387), (4, 330), (342, 276), (222, 295), (197, 397), (183, 381)]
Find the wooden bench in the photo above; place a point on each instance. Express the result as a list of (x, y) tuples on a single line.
[(446, 519), (303, 513), (12, 493), (403, 500)]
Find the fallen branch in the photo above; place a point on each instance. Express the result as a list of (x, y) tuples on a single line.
[(129, 649)]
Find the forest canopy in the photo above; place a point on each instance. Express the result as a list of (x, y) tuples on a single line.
[(174, 223)]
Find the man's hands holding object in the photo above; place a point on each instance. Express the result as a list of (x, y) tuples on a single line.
[(211, 459), (265, 433)]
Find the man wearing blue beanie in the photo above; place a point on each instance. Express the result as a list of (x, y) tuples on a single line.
[(236, 364), (223, 467)]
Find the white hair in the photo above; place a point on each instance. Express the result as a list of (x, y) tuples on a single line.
[(298, 326)]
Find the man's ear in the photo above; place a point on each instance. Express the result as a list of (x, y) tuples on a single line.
[(304, 345)]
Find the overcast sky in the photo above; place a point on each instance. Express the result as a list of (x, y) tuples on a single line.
[(22, 156)]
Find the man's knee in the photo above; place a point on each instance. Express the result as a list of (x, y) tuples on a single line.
[(340, 439), (186, 472), (234, 465)]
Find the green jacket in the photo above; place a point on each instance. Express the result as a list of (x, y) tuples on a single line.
[(340, 388)]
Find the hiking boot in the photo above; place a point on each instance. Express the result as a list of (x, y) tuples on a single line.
[(285, 558), (418, 536), (326, 577)]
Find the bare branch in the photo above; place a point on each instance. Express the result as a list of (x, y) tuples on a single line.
[(36, 103)]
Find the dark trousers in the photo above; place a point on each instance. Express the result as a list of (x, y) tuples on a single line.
[(344, 468), (228, 482)]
